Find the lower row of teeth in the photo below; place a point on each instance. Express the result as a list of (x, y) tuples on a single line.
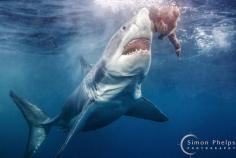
[(140, 51)]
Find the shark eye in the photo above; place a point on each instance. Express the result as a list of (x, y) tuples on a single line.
[(123, 28)]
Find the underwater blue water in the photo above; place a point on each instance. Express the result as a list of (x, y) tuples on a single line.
[(40, 42)]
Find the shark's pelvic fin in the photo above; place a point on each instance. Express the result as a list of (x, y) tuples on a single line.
[(78, 124), (146, 110), (71, 133), (34, 117), (85, 66)]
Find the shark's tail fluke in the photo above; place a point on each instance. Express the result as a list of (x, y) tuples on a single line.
[(35, 119)]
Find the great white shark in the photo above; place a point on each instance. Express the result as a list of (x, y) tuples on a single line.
[(110, 89)]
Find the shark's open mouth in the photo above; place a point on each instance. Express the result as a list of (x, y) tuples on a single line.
[(138, 45)]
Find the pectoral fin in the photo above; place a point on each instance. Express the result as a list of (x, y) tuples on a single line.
[(146, 110)]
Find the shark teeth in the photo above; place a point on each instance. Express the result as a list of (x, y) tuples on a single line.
[(140, 51), (138, 45)]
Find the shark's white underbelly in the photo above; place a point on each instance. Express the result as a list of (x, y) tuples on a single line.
[(107, 90), (111, 102)]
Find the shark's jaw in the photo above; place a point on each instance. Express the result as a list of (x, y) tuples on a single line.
[(138, 45)]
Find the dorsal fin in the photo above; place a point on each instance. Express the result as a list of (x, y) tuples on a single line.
[(85, 66)]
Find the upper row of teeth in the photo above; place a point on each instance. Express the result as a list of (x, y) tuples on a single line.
[(138, 51)]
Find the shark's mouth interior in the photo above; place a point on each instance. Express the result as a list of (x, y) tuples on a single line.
[(138, 45)]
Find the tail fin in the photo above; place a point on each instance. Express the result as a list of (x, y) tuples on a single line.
[(35, 118)]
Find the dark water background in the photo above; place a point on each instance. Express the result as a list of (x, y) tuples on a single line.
[(40, 42)]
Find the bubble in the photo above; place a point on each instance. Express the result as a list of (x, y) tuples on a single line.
[(116, 6), (209, 38)]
